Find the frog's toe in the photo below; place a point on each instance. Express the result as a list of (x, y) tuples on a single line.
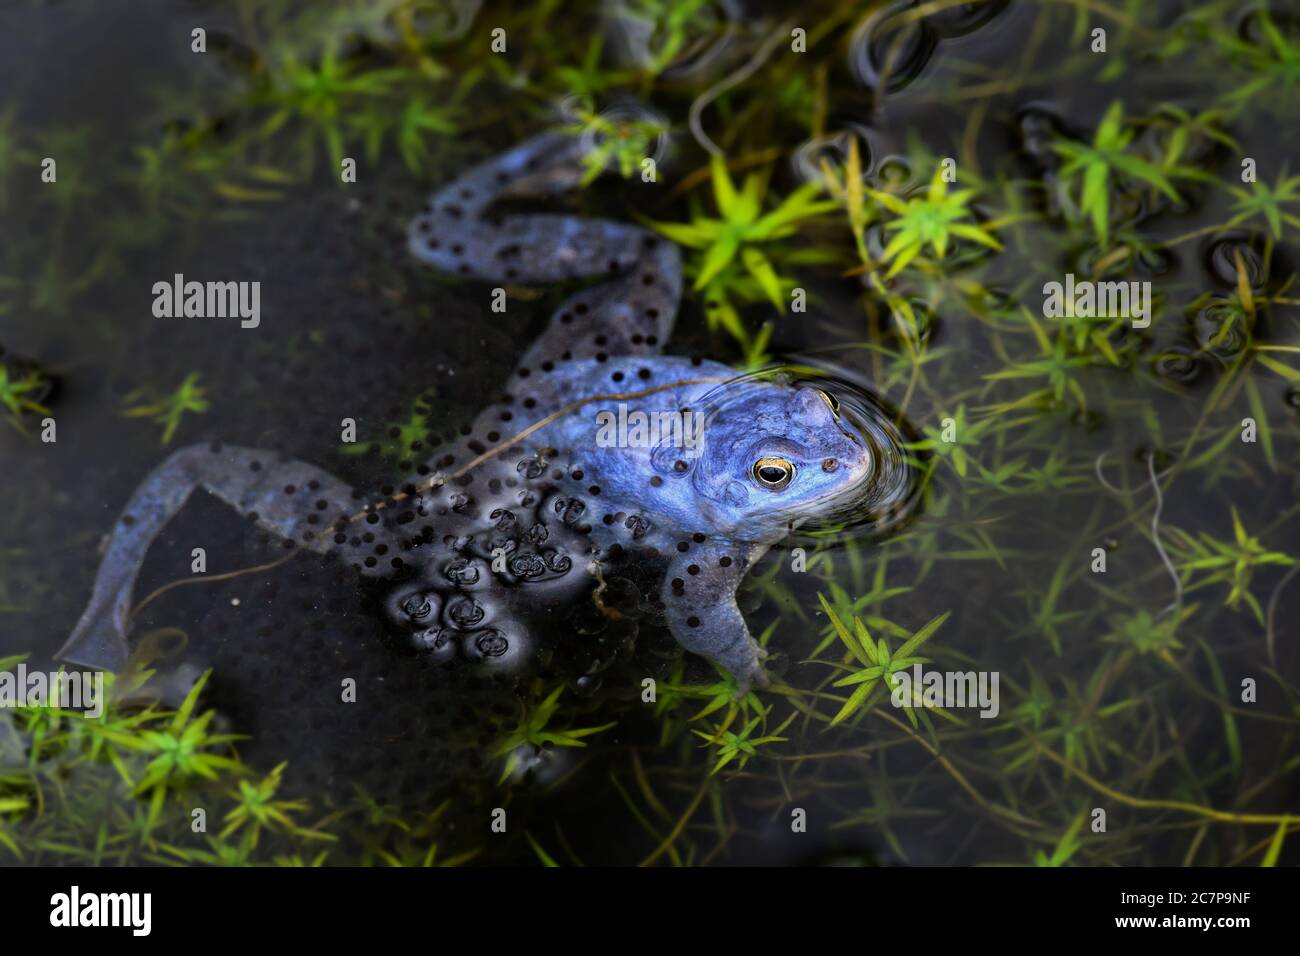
[(754, 678), (96, 643)]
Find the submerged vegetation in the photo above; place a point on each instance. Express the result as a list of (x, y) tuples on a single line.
[(1111, 510), (168, 410)]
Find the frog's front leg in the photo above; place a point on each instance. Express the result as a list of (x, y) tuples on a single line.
[(699, 596), (292, 499)]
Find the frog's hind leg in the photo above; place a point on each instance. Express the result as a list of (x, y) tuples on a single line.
[(631, 313), (294, 500)]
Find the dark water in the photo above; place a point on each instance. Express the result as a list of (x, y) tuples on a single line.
[(352, 327)]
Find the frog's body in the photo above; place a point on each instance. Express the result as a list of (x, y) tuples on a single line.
[(529, 505)]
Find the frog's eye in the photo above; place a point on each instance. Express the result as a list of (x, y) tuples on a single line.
[(774, 473), (831, 401)]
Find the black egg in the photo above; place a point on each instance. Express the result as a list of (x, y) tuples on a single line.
[(466, 573), (413, 607), (464, 613), (493, 646)]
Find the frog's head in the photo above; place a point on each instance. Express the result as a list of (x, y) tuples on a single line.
[(778, 455)]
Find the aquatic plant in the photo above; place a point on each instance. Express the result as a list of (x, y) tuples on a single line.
[(168, 410), (1040, 440), (1098, 164), (735, 238), (18, 394), (933, 219), (878, 663), (534, 731)]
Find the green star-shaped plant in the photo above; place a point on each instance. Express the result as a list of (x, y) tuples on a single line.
[(964, 436), (184, 751), (257, 809), (934, 219), (879, 663), (742, 745), (1145, 633), (419, 117), (402, 438), (167, 411), (1273, 65), (1055, 365), (588, 77), (16, 394), (320, 95), (1102, 162), (619, 142), (739, 231), (1229, 562), (721, 693), (672, 24), (1266, 202), (533, 731)]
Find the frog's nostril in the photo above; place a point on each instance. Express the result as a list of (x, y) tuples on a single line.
[(829, 464)]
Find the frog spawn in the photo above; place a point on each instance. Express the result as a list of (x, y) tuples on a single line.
[(492, 560)]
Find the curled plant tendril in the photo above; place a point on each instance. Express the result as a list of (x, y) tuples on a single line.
[(739, 76), (1154, 478)]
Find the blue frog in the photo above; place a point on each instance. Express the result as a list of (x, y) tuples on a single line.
[(602, 449)]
